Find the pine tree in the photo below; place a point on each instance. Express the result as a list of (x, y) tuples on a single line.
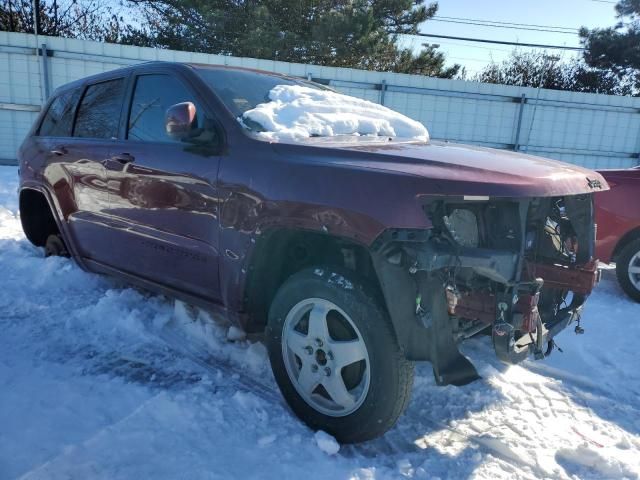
[(617, 49), (344, 33)]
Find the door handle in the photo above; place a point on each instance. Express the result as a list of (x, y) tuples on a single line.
[(119, 162), (59, 151), (124, 158)]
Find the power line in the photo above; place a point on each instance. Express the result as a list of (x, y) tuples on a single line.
[(500, 52), (533, 29), (498, 42), (463, 44), (467, 59), (557, 27)]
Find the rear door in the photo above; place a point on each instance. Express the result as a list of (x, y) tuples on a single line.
[(52, 141), (163, 192), (76, 152)]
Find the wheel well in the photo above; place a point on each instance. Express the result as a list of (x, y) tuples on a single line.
[(280, 254), (628, 237), (36, 217)]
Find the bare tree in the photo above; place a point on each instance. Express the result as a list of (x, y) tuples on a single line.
[(89, 19)]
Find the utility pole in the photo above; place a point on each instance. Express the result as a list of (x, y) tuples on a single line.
[(36, 17), (55, 17), (11, 26), (36, 30)]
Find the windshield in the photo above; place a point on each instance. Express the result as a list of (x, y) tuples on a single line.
[(277, 108), (242, 90)]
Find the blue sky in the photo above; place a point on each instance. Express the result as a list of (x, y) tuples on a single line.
[(565, 13)]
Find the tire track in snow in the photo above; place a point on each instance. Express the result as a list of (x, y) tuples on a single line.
[(238, 378), (69, 449)]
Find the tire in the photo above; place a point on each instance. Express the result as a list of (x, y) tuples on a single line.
[(628, 269), (372, 369)]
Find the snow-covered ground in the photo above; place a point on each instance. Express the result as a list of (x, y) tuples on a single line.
[(98, 380), (295, 112)]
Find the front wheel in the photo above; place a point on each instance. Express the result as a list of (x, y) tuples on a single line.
[(335, 356), (628, 269)]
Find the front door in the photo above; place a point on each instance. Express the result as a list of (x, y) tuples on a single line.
[(163, 193)]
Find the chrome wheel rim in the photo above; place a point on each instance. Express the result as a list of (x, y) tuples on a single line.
[(634, 270), (326, 357)]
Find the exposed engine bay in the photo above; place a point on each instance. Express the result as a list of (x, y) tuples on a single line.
[(520, 269)]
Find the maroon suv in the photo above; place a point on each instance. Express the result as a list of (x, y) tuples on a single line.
[(618, 220), (357, 255)]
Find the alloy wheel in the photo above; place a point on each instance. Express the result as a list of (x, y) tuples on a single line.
[(634, 270), (326, 357)]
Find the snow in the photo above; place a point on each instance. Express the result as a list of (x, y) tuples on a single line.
[(102, 381), (234, 334), (326, 443), (297, 112)]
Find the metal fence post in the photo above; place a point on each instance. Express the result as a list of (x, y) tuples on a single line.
[(523, 100), (45, 72), (637, 153), (383, 89)]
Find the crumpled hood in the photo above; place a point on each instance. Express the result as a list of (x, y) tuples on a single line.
[(453, 169)]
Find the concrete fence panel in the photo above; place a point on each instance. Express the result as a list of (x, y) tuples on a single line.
[(597, 131)]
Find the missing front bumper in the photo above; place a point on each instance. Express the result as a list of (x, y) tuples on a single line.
[(511, 276)]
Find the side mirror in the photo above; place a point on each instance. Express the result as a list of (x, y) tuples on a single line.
[(179, 120)]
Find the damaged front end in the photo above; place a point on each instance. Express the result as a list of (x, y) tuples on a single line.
[(519, 268)]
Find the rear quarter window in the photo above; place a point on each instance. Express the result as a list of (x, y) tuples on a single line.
[(58, 121)]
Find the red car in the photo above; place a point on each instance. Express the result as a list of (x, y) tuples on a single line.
[(356, 254), (618, 220)]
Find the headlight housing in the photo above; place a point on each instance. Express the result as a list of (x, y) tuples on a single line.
[(462, 224)]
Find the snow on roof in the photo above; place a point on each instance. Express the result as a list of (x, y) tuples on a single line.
[(296, 112)]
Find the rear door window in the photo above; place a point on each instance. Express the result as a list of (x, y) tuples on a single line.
[(59, 117), (99, 111)]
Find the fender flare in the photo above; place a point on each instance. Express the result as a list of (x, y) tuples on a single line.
[(63, 227)]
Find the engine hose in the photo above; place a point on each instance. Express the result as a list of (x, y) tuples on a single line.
[(550, 345), (539, 337)]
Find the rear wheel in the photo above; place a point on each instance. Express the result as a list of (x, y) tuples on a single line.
[(55, 247), (628, 269), (335, 356)]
